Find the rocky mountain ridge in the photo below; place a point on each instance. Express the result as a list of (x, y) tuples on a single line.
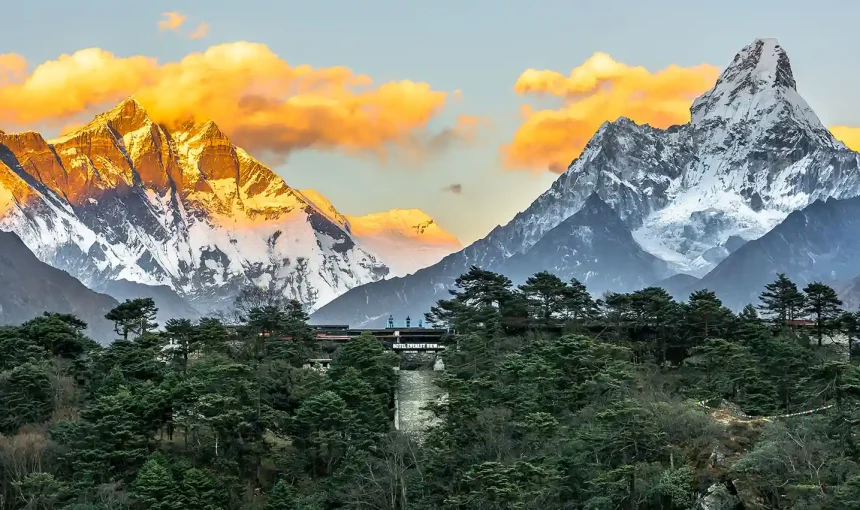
[(595, 247), (817, 243), (124, 198), (753, 152)]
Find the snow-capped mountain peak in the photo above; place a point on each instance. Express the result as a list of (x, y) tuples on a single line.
[(753, 152), (757, 87), (125, 198)]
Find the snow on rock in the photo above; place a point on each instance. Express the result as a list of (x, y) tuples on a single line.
[(753, 152), (405, 239), (126, 199), (595, 247)]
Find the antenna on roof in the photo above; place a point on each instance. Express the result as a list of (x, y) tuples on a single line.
[(408, 321), (390, 322)]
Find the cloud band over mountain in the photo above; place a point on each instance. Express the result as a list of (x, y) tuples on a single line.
[(273, 108), (264, 103)]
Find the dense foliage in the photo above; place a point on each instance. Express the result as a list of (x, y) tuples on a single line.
[(552, 400)]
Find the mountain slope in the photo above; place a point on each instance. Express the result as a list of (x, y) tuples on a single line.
[(849, 293), (753, 152), (124, 198), (819, 243), (595, 247), (31, 287), (170, 305), (760, 153), (406, 240), (678, 285)]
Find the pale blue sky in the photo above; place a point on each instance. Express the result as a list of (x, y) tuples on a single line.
[(477, 46)]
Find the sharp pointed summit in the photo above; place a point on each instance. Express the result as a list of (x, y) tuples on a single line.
[(128, 106), (129, 115), (758, 85), (210, 130), (753, 152), (761, 63)]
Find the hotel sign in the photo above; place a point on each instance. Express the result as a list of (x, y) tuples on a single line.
[(417, 347)]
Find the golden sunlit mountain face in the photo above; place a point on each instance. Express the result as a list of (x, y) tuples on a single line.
[(262, 102)]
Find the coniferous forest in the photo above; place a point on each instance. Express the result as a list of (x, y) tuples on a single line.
[(553, 400)]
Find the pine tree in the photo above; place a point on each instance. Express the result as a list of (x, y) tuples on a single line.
[(478, 304), (369, 358), (617, 312), (706, 316), (725, 368), (154, 488), (110, 440), (578, 303), (41, 491), (650, 309), (282, 498), (199, 490), (781, 300), (371, 407), (211, 335), (750, 327), (321, 430), (59, 334), (181, 333), (133, 316), (823, 305), (849, 325), (26, 396), (296, 322), (545, 295)]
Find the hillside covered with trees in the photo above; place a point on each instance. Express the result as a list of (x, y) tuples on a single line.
[(554, 400)]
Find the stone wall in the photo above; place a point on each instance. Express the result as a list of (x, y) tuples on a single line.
[(416, 360), (415, 389)]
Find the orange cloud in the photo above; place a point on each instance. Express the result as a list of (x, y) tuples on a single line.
[(257, 98), (200, 32), (850, 136), (171, 21), (600, 89), (13, 68)]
